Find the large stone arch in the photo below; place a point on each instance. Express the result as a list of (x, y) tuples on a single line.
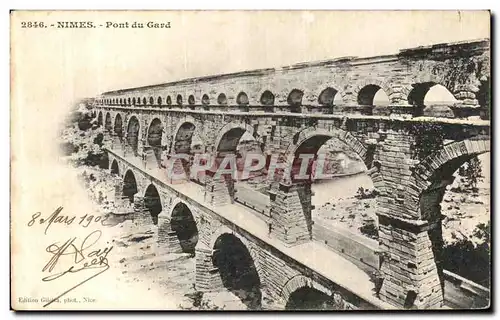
[(100, 120), (223, 242), (324, 135), (300, 281), (332, 300), (108, 125), (187, 126), (239, 128), (154, 135), (114, 167), (179, 226), (457, 152), (215, 234), (130, 185), (118, 125), (134, 133), (130, 116), (252, 248), (432, 175), (152, 200)]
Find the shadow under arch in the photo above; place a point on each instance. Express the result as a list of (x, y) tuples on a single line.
[(152, 202), (133, 134), (129, 185), (118, 127), (310, 140), (99, 119), (115, 170), (307, 298), (108, 126), (184, 226), (434, 174), (155, 132), (237, 270)]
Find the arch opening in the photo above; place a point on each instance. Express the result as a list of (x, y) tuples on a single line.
[(99, 119), (107, 123), (337, 157), (205, 100), (129, 186), (339, 180), (295, 100), (133, 100), (430, 94), (183, 138), (184, 225), (155, 133), (372, 95), (115, 170), (237, 270), (460, 242), (328, 97), (144, 101), (179, 100), (152, 202), (237, 142), (129, 101), (242, 99), (230, 139), (267, 98), (119, 126), (307, 298), (191, 100), (221, 99), (133, 134), (169, 100), (159, 101)]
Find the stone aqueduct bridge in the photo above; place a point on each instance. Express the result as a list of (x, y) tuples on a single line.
[(411, 151)]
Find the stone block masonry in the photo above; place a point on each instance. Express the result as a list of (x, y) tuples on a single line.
[(290, 213), (294, 109)]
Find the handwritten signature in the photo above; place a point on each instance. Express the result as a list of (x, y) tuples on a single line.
[(84, 259)]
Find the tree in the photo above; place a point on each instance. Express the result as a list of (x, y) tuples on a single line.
[(472, 173)]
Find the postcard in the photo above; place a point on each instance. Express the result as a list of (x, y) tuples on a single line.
[(250, 160)]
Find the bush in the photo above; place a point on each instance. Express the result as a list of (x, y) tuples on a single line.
[(470, 261), (370, 230), (99, 139), (69, 148), (472, 173), (366, 193)]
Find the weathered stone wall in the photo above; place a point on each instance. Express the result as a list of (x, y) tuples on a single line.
[(461, 68), (279, 274), (406, 156)]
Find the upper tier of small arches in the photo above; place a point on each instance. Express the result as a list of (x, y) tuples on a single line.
[(370, 94)]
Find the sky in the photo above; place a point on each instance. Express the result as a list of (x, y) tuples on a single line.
[(86, 62)]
